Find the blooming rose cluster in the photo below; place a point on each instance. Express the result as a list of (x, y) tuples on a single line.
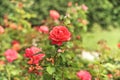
[(59, 34), (31, 53), (11, 55), (84, 75)]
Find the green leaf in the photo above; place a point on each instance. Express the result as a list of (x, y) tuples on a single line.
[(50, 70), (63, 58)]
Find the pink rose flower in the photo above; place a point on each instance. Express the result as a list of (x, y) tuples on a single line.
[(35, 49), (11, 55), (59, 34), (84, 7), (84, 75), (44, 29), (1, 30), (54, 14)]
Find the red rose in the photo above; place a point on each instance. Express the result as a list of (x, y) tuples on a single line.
[(29, 52), (59, 34), (54, 14), (15, 42), (36, 58), (84, 75), (11, 55)]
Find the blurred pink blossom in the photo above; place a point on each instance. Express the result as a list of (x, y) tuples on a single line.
[(11, 55), (44, 29), (54, 14), (2, 62), (118, 45), (35, 49), (84, 75), (84, 7), (69, 4), (1, 30)]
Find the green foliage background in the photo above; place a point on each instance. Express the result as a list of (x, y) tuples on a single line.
[(103, 12)]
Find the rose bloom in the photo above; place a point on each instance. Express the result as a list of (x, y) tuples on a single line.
[(15, 42), (29, 52), (1, 30), (20, 5), (2, 62), (35, 49), (69, 4), (59, 34), (15, 45), (84, 7), (84, 75), (118, 45), (11, 55), (54, 14), (13, 25), (110, 76), (36, 58), (44, 29)]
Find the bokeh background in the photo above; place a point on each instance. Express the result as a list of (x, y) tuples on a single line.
[(102, 12)]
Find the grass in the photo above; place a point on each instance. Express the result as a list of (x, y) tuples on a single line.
[(112, 37)]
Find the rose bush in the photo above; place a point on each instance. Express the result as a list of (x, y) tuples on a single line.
[(55, 49)]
